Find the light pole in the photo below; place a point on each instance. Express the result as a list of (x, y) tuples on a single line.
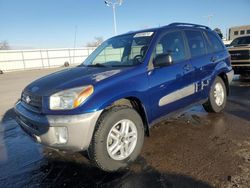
[(209, 17), (113, 3)]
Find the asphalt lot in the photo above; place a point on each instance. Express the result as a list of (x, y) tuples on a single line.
[(192, 149)]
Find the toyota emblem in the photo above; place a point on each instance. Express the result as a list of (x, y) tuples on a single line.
[(28, 99)]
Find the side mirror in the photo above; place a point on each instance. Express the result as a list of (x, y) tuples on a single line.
[(163, 60)]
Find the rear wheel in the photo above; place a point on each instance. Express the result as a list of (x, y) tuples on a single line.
[(217, 97), (117, 140)]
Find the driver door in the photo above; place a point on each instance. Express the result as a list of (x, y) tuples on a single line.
[(172, 86)]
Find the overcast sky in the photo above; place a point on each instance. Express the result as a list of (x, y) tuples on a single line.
[(52, 23)]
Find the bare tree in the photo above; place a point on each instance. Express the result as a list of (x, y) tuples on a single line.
[(96, 42), (218, 31), (4, 45)]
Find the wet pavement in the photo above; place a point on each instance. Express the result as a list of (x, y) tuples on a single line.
[(191, 149)]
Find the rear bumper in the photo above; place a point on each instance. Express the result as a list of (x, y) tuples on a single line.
[(63, 132)]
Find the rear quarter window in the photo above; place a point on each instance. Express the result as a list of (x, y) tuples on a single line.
[(214, 42)]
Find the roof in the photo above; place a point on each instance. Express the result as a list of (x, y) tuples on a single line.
[(175, 24)]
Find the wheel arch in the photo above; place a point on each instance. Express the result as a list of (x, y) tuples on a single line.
[(223, 76), (221, 70), (136, 104)]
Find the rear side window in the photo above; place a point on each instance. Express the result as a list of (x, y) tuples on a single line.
[(173, 44), (196, 43), (214, 42)]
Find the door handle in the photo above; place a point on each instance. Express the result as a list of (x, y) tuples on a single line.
[(213, 59)]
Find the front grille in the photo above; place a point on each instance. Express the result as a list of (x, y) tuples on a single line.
[(33, 101), (235, 63), (240, 54)]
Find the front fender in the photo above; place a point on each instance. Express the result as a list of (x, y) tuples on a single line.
[(135, 86)]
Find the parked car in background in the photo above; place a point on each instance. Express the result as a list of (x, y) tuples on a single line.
[(240, 55), (226, 42), (106, 105)]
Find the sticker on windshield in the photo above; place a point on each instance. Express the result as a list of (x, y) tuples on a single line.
[(144, 34)]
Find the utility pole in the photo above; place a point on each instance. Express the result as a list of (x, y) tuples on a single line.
[(113, 4)]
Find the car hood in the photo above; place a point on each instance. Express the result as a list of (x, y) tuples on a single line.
[(238, 46), (70, 78)]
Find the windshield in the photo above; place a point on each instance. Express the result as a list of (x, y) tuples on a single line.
[(121, 51), (241, 41)]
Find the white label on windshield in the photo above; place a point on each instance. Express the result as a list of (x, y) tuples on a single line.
[(144, 34)]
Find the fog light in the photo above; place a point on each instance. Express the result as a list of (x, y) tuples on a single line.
[(61, 135)]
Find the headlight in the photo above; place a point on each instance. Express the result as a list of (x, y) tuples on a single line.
[(71, 98)]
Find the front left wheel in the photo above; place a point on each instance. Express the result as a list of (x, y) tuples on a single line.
[(117, 140)]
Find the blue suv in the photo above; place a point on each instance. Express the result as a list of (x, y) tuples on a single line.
[(106, 105)]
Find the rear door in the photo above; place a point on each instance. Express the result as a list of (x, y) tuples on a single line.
[(206, 51), (201, 62), (171, 86)]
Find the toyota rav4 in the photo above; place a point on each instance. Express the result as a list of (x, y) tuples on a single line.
[(106, 105)]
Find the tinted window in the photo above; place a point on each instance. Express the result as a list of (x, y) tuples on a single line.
[(248, 31), (173, 44), (196, 43), (236, 32), (241, 41), (121, 51), (214, 42), (109, 54), (208, 44)]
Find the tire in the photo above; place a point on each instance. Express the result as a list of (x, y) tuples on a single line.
[(216, 104), (109, 122)]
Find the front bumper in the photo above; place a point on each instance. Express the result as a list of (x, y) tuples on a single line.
[(242, 69), (241, 66), (44, 129), (230, 76)]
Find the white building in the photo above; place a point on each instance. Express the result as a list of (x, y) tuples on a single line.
[(238, 31)]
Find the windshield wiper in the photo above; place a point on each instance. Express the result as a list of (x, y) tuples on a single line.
[(122, 65), (97, 65)]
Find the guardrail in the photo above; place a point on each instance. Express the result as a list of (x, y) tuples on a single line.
[(13, 60)]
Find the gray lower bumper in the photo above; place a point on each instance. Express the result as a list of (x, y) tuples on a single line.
[(46, 129), (230, 76)]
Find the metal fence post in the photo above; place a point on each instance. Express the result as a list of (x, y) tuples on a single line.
[(88, 51), (69, 57), (48, 57), (42, 58), (24, 66), (74, 55)]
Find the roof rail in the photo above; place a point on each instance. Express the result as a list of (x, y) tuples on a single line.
[(189, 24)]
